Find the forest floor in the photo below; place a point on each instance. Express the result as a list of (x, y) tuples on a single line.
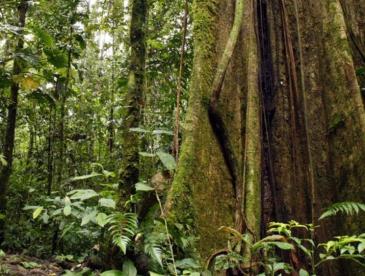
[(20, 265), (24, 265)]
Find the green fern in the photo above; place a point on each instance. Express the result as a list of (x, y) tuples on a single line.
[(123, 227), (348, 208), (154, 251)]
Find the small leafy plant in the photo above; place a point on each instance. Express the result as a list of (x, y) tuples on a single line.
[(290, 247)]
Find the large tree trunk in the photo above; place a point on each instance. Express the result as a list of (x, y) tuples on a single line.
[(134, 99), (202, 193), (11, 122), (313, 123)]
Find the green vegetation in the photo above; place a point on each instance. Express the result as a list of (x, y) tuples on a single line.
[(182, 137)]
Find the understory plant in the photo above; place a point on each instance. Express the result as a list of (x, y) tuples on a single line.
[(88, 222), (291, 247)]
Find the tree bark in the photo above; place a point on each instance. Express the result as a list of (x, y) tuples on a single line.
[(312, 130), (11, 121), (202, 194), (129, 171)]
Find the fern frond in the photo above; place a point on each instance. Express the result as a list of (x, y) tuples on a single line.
[(122, 228), (348, 208), (154, 251)]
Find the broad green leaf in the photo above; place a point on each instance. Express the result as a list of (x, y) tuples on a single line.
[(282, 245), (129, 268), (303, 272), (361, 247), (91, 216), (102, 219), (37, 212), (167, 160), (67, 201), (67, 210), (82, 194), (2, 253), (155, 274), (143, 187), (107, 202), (85, 220), (113, 273), (45, 218)]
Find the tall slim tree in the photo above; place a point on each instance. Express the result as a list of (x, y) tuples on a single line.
[(134, 98), (8, 147)]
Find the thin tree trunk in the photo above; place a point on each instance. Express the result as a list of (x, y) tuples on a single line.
[(61, 127), (11, 122), (112, 98), (134, 98), (50, 157)]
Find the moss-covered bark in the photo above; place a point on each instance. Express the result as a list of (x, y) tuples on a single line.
[(202, 194), (314, 113), (129, 170)]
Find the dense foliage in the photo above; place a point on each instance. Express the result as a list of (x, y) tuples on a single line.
[(71, 72)]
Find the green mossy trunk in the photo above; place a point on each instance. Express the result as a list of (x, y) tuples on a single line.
[(129, 171), (202, 194), (314, 117)]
